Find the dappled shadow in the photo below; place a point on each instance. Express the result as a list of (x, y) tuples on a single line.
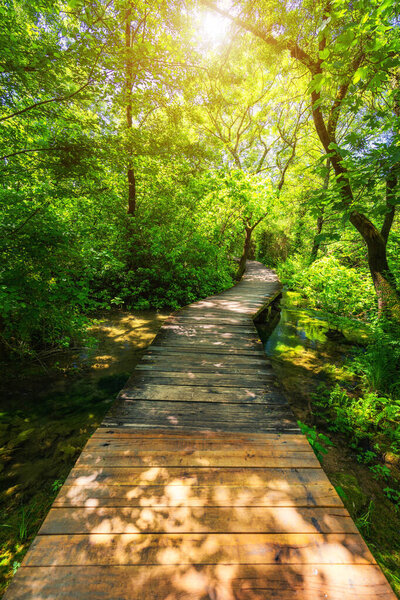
[(208, 533), (160, 506)]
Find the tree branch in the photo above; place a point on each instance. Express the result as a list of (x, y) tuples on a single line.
[(57, 98), (27, 152)]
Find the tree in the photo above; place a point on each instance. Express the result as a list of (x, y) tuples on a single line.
[(349, 52)]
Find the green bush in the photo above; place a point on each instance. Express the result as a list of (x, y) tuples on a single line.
[(331, 286), (379, 363)]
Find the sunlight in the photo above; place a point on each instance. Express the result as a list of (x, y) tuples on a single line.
[(214, 27)]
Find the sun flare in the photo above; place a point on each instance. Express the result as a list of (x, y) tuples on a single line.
[(213, 26)]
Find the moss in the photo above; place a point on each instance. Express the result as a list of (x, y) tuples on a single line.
[(354, 496)]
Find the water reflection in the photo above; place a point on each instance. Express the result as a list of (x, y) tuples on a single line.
[(300, 328)]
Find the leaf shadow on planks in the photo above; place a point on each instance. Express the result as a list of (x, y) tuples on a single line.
[(180, 533)]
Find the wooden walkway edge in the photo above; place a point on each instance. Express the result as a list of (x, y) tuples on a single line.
[(199, 485)]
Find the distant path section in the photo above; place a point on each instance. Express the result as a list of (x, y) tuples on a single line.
[(199, 485)]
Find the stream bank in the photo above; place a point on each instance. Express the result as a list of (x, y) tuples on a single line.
[(310, 358), (48, 410)]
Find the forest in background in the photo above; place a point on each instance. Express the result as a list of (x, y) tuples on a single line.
[(149, 148), (143, 145)]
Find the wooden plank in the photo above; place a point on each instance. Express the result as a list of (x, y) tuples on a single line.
[(192, 458), (192, 363), (202, 358), (200, 549), (285, 443), (226, 350), (237, 519), (270, 477), (204, 412), (173, 379), (209, 344), (208, 378), (209, 328), (202, 394), (227, 338), (206, 436), (207, 582), (178, 424), (190, 334), (199, 319), (177, 493)]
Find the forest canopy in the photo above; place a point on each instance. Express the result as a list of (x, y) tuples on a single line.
[(146, 145)]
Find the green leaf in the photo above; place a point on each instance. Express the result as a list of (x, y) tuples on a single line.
[(324, 53), (360, 74)]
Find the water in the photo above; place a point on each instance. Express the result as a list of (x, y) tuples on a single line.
[(48, 409), (306, 349)]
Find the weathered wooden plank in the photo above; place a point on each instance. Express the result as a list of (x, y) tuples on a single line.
[(178, 493), (206, 436), (173, 379), (202, 394), (156, 423), (228, 379), (192, 458), (200, 549), (208, 582), (196, 360), (186, 334), (164, 366), (173, 421), (202, 344), (204, 411), (209, 328), (238, 321), (237, 336), (274, 443), (226, 350), (271, 477), (202, 358), (237, 519)]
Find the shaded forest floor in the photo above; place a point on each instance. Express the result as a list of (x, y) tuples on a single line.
[(47, 413)]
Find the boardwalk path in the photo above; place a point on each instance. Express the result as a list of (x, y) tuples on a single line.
[(199, 485)]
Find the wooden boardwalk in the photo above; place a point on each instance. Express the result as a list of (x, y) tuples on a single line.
[(199, 485)]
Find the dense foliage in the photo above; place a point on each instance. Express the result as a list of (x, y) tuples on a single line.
[(148, 149), (134, 167)]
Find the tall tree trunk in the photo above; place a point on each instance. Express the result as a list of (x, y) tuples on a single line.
[(383, 279), (384, 282), (245, 253), (129, 120)]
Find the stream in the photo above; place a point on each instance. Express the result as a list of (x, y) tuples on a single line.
[(305, 349)]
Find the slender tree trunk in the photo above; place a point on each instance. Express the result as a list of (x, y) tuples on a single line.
[(245, 253), (129, 120), (320, 219), (316, 242)]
